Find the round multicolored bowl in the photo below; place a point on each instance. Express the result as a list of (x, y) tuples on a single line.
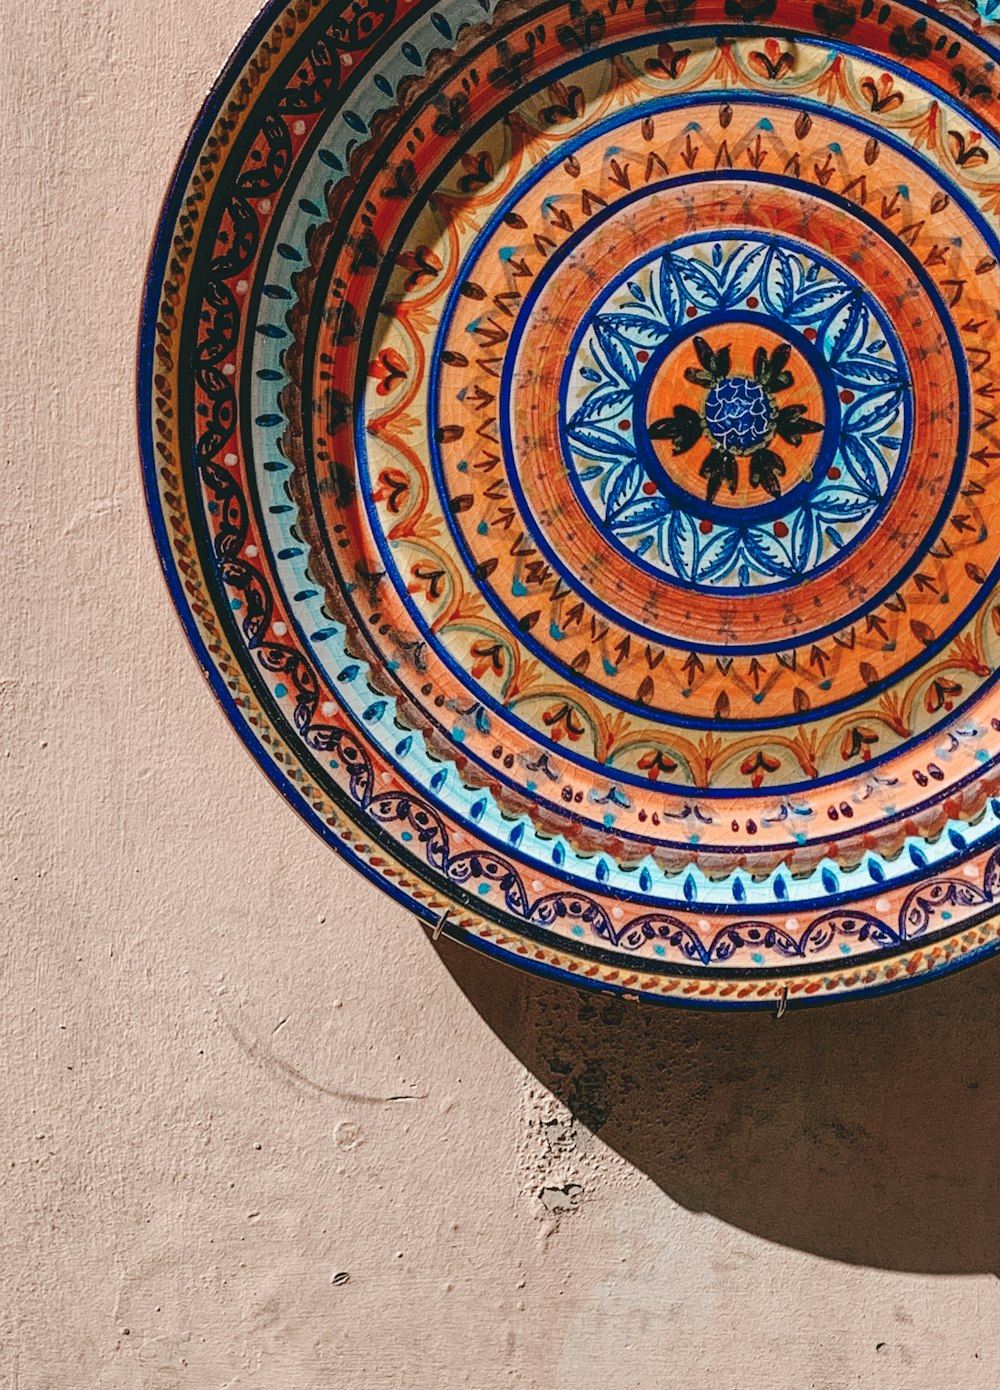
[(569, 432)]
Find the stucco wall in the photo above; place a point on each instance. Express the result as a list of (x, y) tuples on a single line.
[(256, 1131)]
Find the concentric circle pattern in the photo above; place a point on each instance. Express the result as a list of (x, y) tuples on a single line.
[(570, 434)]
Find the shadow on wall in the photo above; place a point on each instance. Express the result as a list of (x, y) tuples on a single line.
[(867, 1132)]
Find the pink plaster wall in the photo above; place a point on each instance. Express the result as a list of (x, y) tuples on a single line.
[(256, 1132)]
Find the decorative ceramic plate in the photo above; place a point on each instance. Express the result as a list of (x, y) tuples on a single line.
[(569, 433)]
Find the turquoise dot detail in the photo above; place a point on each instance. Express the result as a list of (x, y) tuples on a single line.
[(281, 691)]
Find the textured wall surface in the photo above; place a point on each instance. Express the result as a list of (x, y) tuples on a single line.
[(255, 1130)]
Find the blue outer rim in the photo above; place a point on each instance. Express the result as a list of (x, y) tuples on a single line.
[(155, 269)]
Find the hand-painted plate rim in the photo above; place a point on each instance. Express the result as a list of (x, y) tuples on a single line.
[(901, 967)]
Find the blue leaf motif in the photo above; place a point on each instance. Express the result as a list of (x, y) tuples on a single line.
[(641, 513), (856, 456), (767, 552), (867, 371), (874, 412), (743, 273), (645, 333), (672, 294), (846, 328), (817, 300), (700, 284), (602, 405), (719, 555), (803, 533), (841, 503), (627, 481), (777, 282), (682, 544), (594, 442), (618, 358)]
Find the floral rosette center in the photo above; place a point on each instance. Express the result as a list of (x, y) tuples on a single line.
[(737, 413), (741, 416)]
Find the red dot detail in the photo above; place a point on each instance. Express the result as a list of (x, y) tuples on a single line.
[(780, 530), (752, 302), (833, 473), (811, 334), (650, 489), (847, 397), (642, 355), (706, 528), (624, 424), (691, 311)]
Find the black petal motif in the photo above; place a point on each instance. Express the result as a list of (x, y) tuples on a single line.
[(791, 423), (769, 371), (684, 428), (720, 467), (740, 418), (714, 365), (766, 468)]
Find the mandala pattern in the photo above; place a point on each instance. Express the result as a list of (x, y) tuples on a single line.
[(568, 436), (751, 290)]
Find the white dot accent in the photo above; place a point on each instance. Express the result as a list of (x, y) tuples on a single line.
[(231, 459), (792, 923), (882, 905), (229, 369), (970, 871), (265, 205), (299, 128), (251, 551), (280, 629), (329, 708), (242, 287)]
